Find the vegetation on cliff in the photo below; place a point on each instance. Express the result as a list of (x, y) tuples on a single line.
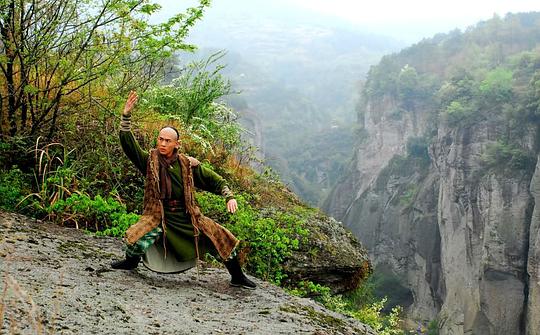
[(488, 73)]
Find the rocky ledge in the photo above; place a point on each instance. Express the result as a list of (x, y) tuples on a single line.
[(58, 280)]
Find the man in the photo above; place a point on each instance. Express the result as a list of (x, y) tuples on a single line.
[(172, 233)]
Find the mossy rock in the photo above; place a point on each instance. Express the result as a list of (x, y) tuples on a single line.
[(330, 256)]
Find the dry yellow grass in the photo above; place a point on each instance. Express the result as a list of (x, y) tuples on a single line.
[(14, 297)]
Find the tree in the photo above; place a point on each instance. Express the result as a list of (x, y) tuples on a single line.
[(53, 52), (195, 100), (408, 87), (496, 88)]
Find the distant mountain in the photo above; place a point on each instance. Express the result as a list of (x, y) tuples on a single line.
[(299, 75)]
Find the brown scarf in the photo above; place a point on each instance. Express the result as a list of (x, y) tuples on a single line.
[(164, 176)]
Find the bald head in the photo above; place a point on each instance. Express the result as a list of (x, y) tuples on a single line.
[(170, 131), (167, 141)]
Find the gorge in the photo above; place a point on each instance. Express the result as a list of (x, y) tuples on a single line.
[(444, 183)]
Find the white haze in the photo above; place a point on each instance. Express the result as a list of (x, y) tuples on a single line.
[(408, 21)]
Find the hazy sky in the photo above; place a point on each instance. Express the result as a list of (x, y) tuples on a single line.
[(388, 11), (414, 16), (408, 20)]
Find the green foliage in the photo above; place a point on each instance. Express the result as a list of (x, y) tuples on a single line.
[(366, 307), (192, 99), (383, 325), (408, 87), (359, 304), (433, 327), (457, 98), (54, 178), (99, 163), (496, 88), (191, 95), (15, 151), (418, 147), (458, 113), (95, 47), (107, 216), (408, 196), (57, 196), (382, 79), (13, 187), (508, 158), (270, 236), (309, 289), (485, 74), (532, 108), (363, 295)]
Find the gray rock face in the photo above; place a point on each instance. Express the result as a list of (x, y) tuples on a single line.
[(483, 220), (331, 256), (458, 235), (533, 264), (58, 280), (387, 138)]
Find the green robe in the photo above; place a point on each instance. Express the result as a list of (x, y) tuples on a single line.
[(180, 240)]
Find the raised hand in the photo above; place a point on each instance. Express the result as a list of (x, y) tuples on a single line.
[(130, 103)]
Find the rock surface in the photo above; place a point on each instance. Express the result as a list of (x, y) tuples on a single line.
[(58, 280), (533, 263), (330, 256), (462, 240)]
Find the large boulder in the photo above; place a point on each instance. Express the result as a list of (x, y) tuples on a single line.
[(330, 256)]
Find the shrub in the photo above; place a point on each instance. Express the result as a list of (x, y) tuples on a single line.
[(504, 157), (366, 310), (309, 289), (418, 147), (383, 325), (54, 178), (192, 99), (107, 216), (270, 237), (459, 113), (433, 327), (496, 88), (13, 187), (15, 151)]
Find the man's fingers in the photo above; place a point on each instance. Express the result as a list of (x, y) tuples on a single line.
[(130, 103), (132, 99), (232, 205)]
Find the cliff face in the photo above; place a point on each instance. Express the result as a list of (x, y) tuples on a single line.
[(384, 137), (533, 262), (392, 205), (443, 189), (455, 233), (484, 221)]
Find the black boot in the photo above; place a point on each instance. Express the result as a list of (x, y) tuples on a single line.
[(238, 278), (130, 263)]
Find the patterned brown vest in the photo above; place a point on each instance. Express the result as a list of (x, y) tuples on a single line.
[(153, 214)]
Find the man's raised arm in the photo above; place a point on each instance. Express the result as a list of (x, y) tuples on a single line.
[(127, 140)]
